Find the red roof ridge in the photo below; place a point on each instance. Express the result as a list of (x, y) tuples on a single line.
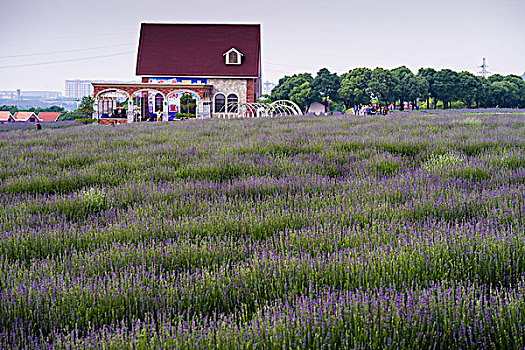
[(23, 115), (48, 116), (5, 115)]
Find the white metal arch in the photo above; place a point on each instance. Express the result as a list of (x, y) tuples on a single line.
[(282, 110), (101, 105), (257, 109), (183, 91), (155, 92), (106, 91), (149, 90), (290, 104)]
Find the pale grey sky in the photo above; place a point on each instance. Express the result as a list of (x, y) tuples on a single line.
[(97, 39)]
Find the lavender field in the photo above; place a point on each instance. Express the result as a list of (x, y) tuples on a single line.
[(404, 231)]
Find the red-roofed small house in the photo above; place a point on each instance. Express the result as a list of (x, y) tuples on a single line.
[(6, 117), (48, 116), (25, 117), (204, 69)]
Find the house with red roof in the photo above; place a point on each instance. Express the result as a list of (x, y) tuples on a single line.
[(206, 70), (48, 116), (6, 117), (25, 117)]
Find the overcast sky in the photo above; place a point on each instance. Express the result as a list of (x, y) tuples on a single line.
[(97, 39)]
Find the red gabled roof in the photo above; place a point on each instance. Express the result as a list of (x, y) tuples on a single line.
[(196, 50), (5, 115), (48, 116), (23, 116)]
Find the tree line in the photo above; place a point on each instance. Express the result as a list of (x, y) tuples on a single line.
[(36, 110), (428, 89)]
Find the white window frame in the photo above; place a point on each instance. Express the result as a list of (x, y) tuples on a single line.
[(239, 57), (225, 102)]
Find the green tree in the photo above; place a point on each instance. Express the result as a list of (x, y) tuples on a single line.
[(286, 84), (188, 104), (506, 91), (446, 86), (383, 85), (327, 84), (418, 89), (501, 93), (405, 82), (481, 99), (85, 110), (495, 78), (304, 95), (518, 99), (354, 87), (470, 87), (11, 109), (265, 98), (429, 75), (54, 109)]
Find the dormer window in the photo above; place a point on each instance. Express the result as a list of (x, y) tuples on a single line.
[(233, 56)]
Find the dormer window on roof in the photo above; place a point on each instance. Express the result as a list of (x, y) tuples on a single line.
[(233, 56)]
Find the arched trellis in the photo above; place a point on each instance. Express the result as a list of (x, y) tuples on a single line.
[(110, 91), (106, 103), (138, 114), (257, 110), (288, 105), (150, 90), (181, 92)]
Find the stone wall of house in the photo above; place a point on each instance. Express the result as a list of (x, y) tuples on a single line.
[(228, 86)]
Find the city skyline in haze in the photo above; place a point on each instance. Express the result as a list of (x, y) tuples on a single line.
[(46, 43)]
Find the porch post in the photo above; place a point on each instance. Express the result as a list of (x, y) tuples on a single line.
[(130, 109), (95, 109), (165, 110)]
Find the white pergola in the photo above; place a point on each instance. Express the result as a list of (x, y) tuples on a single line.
[(279, 108)]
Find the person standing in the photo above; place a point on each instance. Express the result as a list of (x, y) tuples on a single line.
[(38, 125)]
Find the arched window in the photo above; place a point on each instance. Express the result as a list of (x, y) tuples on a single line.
[(220, 101), (233, 57), (233, 102), (159, 100)]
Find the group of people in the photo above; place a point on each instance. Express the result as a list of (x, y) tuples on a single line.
[(370, 110)]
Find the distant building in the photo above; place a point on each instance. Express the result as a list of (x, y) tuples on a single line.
[(8, 95), (6, 117), (48, 116), (20, 95), (25, 117), (33, 95), (78, 88), (317, 108)]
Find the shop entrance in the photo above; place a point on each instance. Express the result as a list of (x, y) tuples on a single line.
[(148, 105)]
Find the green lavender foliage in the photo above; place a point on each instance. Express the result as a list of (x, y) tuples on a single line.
[(405, 231)]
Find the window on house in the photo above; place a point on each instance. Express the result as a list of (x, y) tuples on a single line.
[(159, 101), (233, 102), (220, 102), (233, 58)]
